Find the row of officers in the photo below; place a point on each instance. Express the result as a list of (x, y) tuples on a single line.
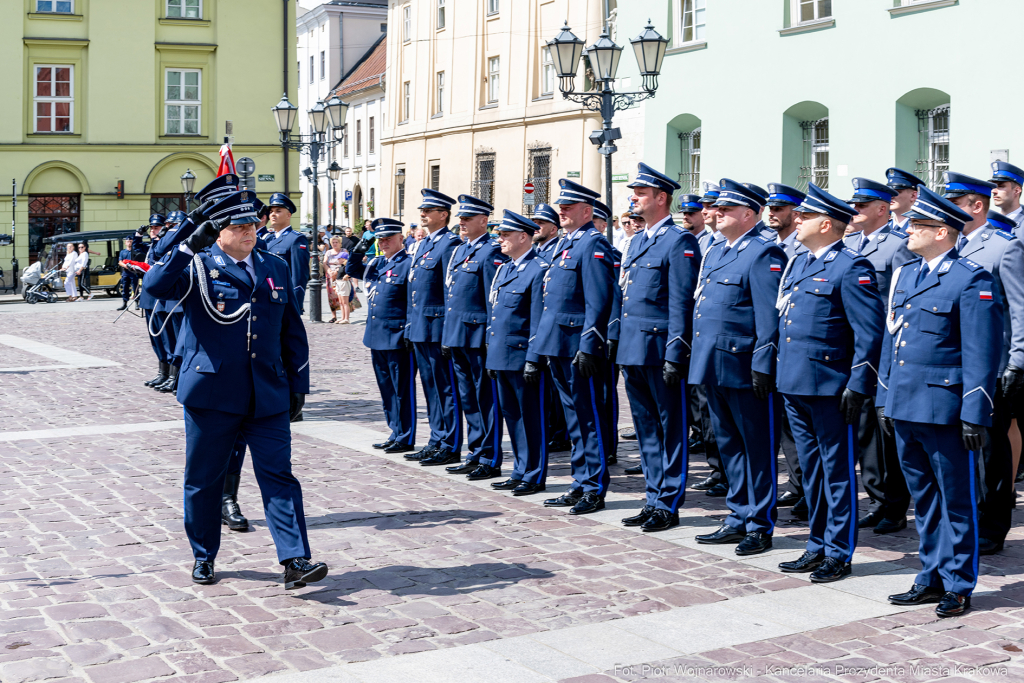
[(888, 328)]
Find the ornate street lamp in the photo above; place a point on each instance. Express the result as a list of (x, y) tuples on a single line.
[(650, 48), (336, 112), (566, 50), (285, 113), (188, 182), (334, 170)]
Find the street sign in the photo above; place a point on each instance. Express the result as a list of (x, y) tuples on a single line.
[(529, 200), (348, 195), (247, 184), (266, 177), (245, 167), (620, 177), (528, 188), (572, 174)]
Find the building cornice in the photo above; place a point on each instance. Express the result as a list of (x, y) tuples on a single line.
[(496, 125)]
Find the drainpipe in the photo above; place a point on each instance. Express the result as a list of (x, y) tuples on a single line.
[(287, 61)]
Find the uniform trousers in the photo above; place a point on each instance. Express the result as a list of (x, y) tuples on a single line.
[(237, 458), (524, 407), (940, 475), (660, 417), (478, 401), (827, 450), (880, 467), (699, 403), (748, 441), (396, 378), (444, 412), (554, 416), (154, 321), (172, 332), (589, 421), (789, 451), (127, 286), (996, 493), (210, 436)]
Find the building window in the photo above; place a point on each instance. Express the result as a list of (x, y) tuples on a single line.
[(547, 72), (406, 100), (689, 152), (184, 9), (492, 6), (400, 191), (439, 103), (812, 10), (166, 203), (540, 175), (359, 138), (407, 23), (323, 65), (50, 215), (54, 99), (182, 104), (483, 186), (312, 72), (815, 153), (372, 204), (440, 14), (345, 141), (435, 177), (493, 78), (298, 72), (691, 21), (371, 140), (933, 145), (55, 6)]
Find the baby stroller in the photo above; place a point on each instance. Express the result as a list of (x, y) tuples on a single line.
[(45, 288)]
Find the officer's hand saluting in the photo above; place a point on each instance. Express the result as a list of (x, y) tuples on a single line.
[(975, 436), (205, 235), (198, 215)]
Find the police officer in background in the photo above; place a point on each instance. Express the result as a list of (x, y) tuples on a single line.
[(517, 302), (905, 185), (546, 236), (937, 400), (128, 280), (290, 245), (877, 238), (148, 303), (762, 195), (830, 339), (602, 214), (240, 332), (387, 281), (171, 314), (470, 271), (711, 193), (735, 343), (1006, 194), (424, 326), (1002, 255)]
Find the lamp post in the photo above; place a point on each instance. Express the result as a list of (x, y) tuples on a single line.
[(316, 145), (567, 50), (334, 170), (188, 183)]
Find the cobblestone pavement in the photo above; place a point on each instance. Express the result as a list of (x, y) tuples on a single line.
[(425, 568)]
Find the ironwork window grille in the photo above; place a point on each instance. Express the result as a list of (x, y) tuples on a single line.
[(815, 154), (184, 9), (691, 21), (166, 203), (435, 177), (493, 79), (440, 14), (540, 176), (55, 6), (483, 186), (933, 145), (183, 102), (54, 99), (50, 215), (547, 72), (689, 152), (813, 10)]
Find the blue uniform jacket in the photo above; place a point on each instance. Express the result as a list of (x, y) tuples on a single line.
[(886, 252), (426, 304), (147, 300), (386, 282), (735, 322), (517, 301), (293, 247), (658, 282), (470, 272), (220, 368), (830, 325), (578, 296), (547, 251), (124, 255), (925, 376)]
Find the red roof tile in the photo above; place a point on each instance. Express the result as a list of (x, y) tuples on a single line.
[(367, 73)]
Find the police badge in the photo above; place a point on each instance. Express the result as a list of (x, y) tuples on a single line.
[(220, 306)]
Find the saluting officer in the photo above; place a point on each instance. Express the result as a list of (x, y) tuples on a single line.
[(470, 271), (660, 273), (878, 239), (573, 337), (387, 281), (424, 326), (168, 310), (938, 399), (517, 301), (905, 185), (1002, 255), (128, 280), (246, 370), (1006, 194), (290, 245), (735, 343), (830, 339), (148, 304)]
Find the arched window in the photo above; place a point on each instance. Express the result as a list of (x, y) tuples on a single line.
[(805, 145)]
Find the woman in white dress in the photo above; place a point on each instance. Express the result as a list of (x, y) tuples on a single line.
[(70, 267), (82, 271)]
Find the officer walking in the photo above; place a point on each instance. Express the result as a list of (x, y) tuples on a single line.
[(470, 272), (240, 332), (1006, 194), (290, 245), (937, 400), (517, 302), (660, 273), (830, 339), (573, 337), (735, 343)]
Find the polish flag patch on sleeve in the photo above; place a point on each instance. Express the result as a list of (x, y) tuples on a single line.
[(598, 254), (986, 296), (688, 253), (497, 261), (775, 268), (864, 280)]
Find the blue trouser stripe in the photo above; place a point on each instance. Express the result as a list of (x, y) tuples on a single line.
[(602, 484), (851, 464)]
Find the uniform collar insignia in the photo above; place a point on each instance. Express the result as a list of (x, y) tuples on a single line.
[(663, 230), (219, 259), (831, 256), (944, 268), (744, 243), (259, 257)]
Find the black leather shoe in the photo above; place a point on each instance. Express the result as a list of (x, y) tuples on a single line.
[(639, 518), (890, 526), (628, 435), (613, 459), (230, 513), (384, 444), (566, 500), (917, 595), (299, 571), (484, 472), (634, 470), (526, 489), (462, 467), (987, 547), (202, 573), (724, 535), (831, 570), (559, 446), (800, 509), (696, 445), (506, 485), (660, 521), (399, 448), (423, 453), (953, 605), (123, 306), (719, 490), (590, 502), (787, 499), (870, 520), (1019, 478), (161, 375), (754, 543), (442, 457), (807, 562), (705, 484)]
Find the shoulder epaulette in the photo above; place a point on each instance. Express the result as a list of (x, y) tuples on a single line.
[(850, 252), (898, 232), (969, 264), (278, 256), (541, 263), (764, 240), (452, 236), (1005, 235), (678, 229)]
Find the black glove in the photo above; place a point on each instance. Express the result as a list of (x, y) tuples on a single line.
[(163, 231), (672, 373), (406, 344), (613, 350), (198, 215), (532, 373), (295, 406), (1013, 378), (446, 352), (884, 422), (975, 436), (493, 374), (588, 364), (142, 231), (205, 235), (850, 405), (364, 244), (763, 384)]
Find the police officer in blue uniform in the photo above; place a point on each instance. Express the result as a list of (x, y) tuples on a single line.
[(545, 238), (517, 302), (387, 279), (884, 245), (290, 245), (469, 273), (905, 185), (710, 196), (937, 399), (660, 276), (573, 338), (148, 303), (602, 214), (128, 280), (1002, 255), (830, 339), (424, 327), (246, 369), (735, 343), (762, 194), (168, 311), (1006, 194)]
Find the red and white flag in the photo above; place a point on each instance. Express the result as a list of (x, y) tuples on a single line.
[(227, 161)]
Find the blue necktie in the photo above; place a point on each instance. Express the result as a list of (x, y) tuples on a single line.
[(960, 243), (922, 274)]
